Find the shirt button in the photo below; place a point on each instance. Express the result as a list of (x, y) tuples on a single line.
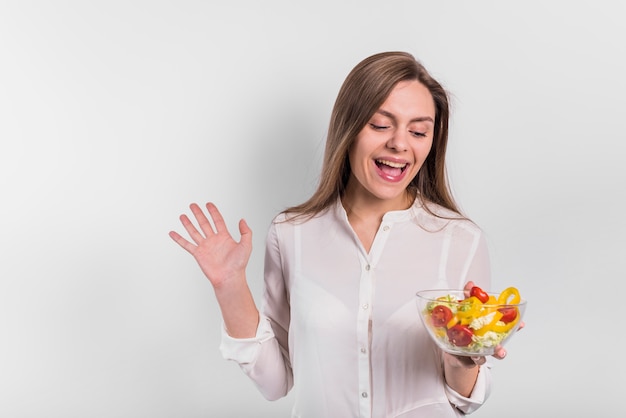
[(364, 394), (365, 306), (386, 228), (363, 350), (367, 267)]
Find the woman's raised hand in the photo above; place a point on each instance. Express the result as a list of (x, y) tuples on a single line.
[(220, 257)]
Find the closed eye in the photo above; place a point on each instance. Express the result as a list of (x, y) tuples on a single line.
[(418, 134), (378, 127)]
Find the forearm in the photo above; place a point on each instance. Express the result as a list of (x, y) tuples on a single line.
[(239, 311), (460, 373), (262, 359)]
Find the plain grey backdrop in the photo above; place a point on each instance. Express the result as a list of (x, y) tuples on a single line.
[(115, 115)]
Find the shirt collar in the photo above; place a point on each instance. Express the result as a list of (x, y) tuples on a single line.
[(389, 217)]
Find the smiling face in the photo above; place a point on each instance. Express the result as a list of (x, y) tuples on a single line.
[(389, 151)]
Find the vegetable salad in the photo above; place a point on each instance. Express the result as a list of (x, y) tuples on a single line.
[(475, 324)]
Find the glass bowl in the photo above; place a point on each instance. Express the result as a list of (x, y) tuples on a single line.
[(465, 325)]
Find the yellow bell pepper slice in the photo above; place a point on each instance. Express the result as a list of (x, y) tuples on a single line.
[(490, 326), (469, 309), (455, 320), (491, 305), (509, 293), (505, 327)]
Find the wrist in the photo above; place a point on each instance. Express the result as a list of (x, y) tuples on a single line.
[(462, 362)]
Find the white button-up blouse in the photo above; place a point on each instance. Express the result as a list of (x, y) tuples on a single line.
[(340, 326)]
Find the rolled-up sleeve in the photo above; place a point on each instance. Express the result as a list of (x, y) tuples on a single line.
[(477, 268), (245, 351), (264, 358), (479, 394)]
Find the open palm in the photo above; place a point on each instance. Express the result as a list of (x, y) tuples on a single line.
[(220, 257)]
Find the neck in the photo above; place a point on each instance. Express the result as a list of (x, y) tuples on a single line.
[(370, 208), (365, 213)]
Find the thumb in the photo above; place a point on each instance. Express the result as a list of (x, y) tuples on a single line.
[(245, 231)]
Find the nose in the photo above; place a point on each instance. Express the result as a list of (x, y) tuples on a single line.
[(399, 140)]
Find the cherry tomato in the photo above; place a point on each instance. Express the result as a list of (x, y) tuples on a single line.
[(460, 335), (441, 315), (509, 313), (480, 294)]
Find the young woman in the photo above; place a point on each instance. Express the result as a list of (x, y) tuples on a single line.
[(339, 324)]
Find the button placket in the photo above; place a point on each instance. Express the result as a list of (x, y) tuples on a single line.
[(363, 337)]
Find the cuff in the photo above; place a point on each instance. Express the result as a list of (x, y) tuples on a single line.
[(479, 394), (245, 350)]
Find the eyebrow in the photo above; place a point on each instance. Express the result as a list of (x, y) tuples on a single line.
[(418, 119)]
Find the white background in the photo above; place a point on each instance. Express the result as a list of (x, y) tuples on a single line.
[(115, 115)]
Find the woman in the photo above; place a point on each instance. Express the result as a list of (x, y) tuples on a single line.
[(338, 323)]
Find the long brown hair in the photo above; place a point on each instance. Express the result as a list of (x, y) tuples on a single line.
[(364, 90)]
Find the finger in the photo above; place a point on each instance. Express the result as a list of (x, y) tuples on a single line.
[(218, 220), (499, 352), (195, 235), (468, 288), (246, 232), (187, 246), (203, 221)]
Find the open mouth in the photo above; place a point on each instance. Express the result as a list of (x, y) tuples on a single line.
[(391, 168)]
